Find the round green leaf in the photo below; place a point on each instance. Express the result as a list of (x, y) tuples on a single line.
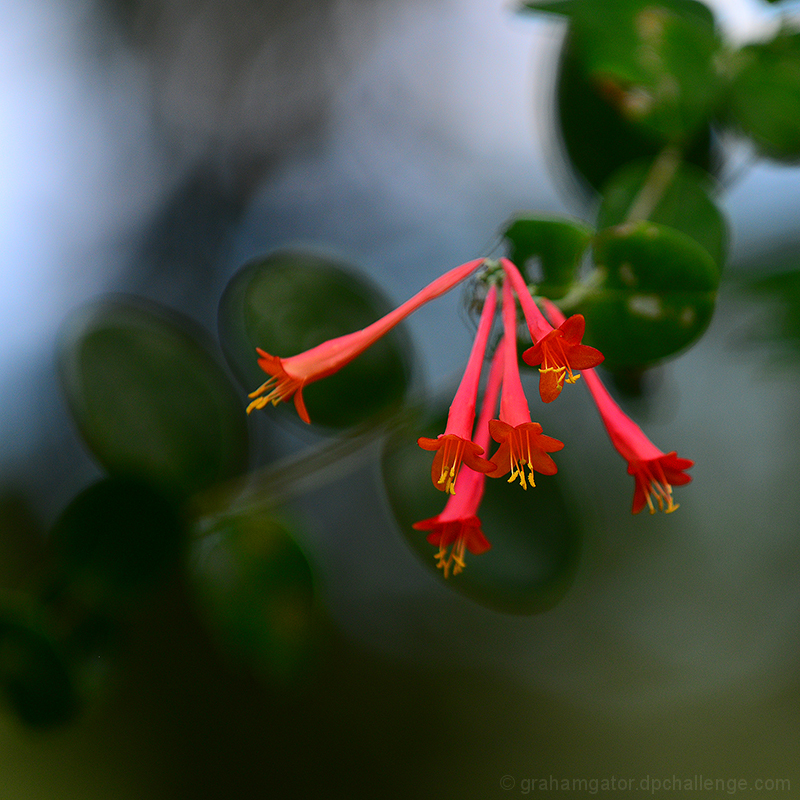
[(255, 587), (34, 674), (148, 397), (656, 297), (685, 205), (289, 302), (598, 135), (653, 62), (117, 539), (557, 246), (765, 95), (535, 539)]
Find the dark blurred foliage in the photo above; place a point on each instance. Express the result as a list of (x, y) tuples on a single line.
[(175, 610)]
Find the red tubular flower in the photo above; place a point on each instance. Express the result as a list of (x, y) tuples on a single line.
[(288, 376), (521, 441), (458, 526), (654, 471), (559, 351), (455, 445)]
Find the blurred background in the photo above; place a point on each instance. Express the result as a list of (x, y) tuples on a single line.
[(154, 147)]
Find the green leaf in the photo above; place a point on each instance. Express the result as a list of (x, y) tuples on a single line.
[(569, 7), (654, 64), (613, 109), (656, 296), (557, 245), (291, 301), (765, 95), (255, 587), (148, 397), (685, 204), (115, 540), (34, 675), (535, 539)]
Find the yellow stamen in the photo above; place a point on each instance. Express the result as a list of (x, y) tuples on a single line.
[(658, 487), (451, 463), (276, 389), (562, 364), (518, 450), (456, 557)]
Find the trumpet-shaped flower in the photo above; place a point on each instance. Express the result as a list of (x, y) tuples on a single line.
[(559, 350), (559, 353), (455, 445), (288, 376), (654, 471), (522, 443), (458, 526)]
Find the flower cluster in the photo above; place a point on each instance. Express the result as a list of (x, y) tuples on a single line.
[(461, 462)]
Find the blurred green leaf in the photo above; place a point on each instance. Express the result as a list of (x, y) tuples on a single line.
[(148, 397), (34, 674), (255, 587), (693, 8), (557, 245), (654, 62), (612, 109), (117, 539), (291, 301), (685, 205), (656, 297), (765, 95), (535, 538)]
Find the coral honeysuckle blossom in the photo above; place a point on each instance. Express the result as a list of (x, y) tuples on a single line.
[(521, 440), (558, 350), (455, 445), (289, 375), (654, 471), (458, 526)]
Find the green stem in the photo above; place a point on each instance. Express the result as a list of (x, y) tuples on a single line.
[(580, 290), (660, 176)]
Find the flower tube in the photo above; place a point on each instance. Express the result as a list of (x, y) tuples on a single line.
[(521, 441), (455, 445), (559, 350), (288, 376), (458, 527)]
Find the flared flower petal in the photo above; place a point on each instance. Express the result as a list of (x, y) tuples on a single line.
[(281, 386), (655, 479), (289, 375), (451, 452), (559, 353), (458, 526), (520, 447)]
